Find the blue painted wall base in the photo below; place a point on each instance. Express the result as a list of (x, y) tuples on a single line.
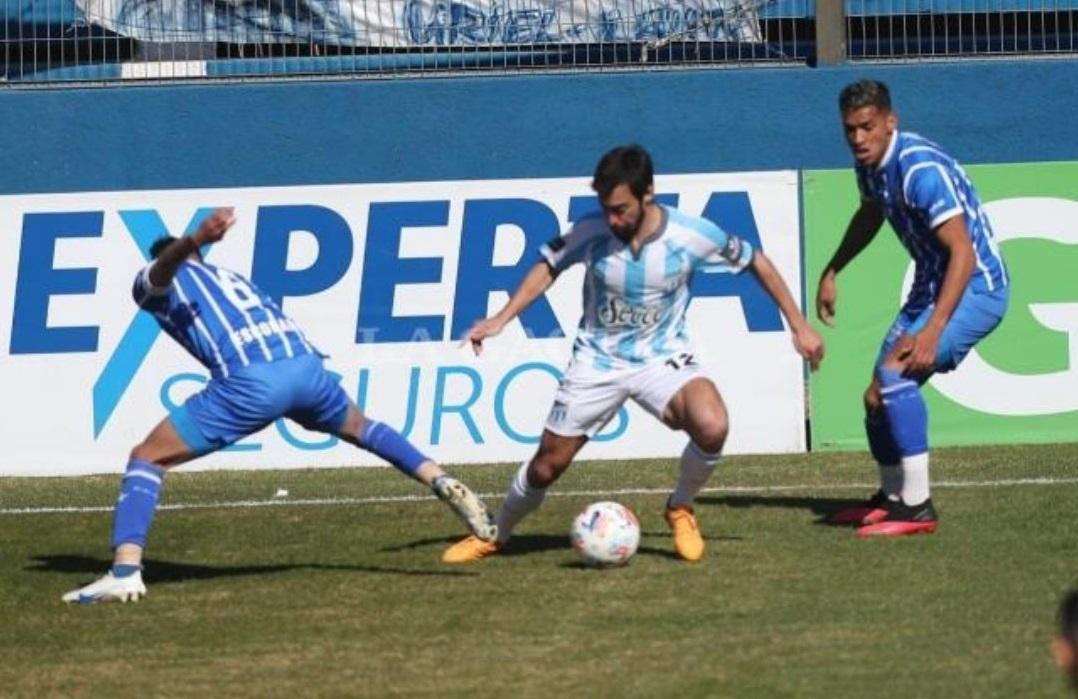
[(294, 133)]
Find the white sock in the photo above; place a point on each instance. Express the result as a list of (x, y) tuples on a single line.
[(915, 479), (891, 480), (521, 499), (696, 468)]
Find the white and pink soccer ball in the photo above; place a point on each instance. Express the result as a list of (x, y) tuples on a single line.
[(605, 534)]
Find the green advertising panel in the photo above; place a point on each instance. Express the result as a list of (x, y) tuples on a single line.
[(1020, 384)]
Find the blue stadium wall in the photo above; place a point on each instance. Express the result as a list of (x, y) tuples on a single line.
[(223, 135), (71, 325)]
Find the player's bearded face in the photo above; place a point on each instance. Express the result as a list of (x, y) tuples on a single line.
[(630, 223), (624, 212), (868, 133)]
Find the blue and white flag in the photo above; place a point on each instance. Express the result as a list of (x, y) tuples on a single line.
[(410, 23)]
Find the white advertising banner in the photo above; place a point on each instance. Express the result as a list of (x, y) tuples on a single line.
[(385, 279)]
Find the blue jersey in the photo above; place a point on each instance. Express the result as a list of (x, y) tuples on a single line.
[(634, 304), (222, 319), (920, 187)]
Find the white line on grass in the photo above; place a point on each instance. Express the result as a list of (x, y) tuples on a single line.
[(376, 499)]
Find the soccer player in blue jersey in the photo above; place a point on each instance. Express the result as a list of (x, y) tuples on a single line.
[(262, 367), (959, 295), (632, 342)]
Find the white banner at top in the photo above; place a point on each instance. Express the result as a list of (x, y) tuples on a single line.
[(404, 23)]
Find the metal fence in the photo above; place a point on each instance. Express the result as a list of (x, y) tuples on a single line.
[(925, 29), (59, 41), (100, 40)]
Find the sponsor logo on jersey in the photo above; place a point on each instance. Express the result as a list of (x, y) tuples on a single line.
[(618, 314)]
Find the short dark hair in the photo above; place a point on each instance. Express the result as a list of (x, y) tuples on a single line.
[(1068, 618), (629, 164), (160, 244), (864, 93)]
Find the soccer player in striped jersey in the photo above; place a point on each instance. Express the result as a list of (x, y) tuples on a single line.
[(959, 295), (632, 342), (262, 368)]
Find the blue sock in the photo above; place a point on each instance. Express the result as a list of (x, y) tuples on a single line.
[(381, 439), (880, 442), (907, 414), (139, 491), (122, 570)]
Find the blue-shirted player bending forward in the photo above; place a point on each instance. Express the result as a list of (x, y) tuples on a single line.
[(262, 368), (959, 295)]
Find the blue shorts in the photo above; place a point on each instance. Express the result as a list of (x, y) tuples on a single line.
[(253, 396), (976, 315)]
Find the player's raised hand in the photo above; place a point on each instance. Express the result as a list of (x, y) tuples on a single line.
[(214, 226), (826, 295), (808, 344), (488, 327)]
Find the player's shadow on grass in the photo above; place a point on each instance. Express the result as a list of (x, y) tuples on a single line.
[(158, 571), (526, 544), (640, 551), (823, 508), (519, 545), (665, 534)]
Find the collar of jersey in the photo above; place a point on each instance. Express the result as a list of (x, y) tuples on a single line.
[(889, 153), (654, 236)]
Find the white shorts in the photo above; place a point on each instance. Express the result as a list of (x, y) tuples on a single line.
[(587, 399)]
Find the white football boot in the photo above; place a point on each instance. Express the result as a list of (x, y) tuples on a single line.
[(467, 506), (109, 588)]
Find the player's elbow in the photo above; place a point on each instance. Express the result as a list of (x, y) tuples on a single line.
[(539, 277), (759, 261), (867, 220)]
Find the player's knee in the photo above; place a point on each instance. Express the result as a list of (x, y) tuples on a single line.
[(152, 452), (144, 452), (890, 375), (711, 434), (352, 426), (713, 437), (545, 469)]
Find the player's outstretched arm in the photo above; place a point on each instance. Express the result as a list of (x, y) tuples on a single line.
[(536, 282), (864, 225), (211, 230), (807, 341)]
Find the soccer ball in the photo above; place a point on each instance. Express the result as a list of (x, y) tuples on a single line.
[(605, 534)]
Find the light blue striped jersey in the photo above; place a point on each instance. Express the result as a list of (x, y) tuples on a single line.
[(222, 319), (920, 187), (634, 304)]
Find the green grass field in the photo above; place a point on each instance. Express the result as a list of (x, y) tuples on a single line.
[(350, 599)]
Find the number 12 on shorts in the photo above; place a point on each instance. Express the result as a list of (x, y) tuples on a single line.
[(680, 361)]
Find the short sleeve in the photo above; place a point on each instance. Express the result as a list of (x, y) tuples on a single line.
[(929, 190), (724, 248), (147, 295), (571, 247)]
